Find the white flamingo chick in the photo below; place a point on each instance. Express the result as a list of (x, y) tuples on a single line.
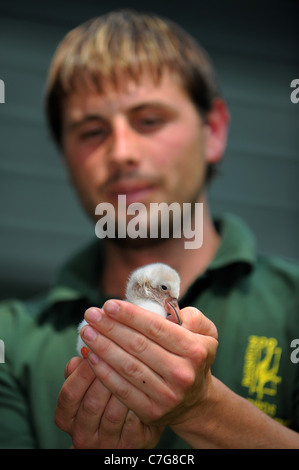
[(154, 287)]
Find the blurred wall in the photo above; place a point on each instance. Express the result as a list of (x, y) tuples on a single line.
[(254, 46)]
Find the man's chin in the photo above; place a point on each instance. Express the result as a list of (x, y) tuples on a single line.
[(137, 243)]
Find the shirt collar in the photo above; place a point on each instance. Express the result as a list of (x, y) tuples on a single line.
[(237, 245)]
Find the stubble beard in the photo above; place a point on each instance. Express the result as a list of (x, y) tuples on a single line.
[(175, 227)]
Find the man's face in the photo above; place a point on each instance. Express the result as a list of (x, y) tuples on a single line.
[(146, 141)]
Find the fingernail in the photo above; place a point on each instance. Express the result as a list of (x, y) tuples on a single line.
[(111, 307), (93, 315), (89, 334)]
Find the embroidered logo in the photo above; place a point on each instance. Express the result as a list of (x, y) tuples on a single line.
[(261, 363)]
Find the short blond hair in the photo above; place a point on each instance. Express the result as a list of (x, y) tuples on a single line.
[(131, 43)]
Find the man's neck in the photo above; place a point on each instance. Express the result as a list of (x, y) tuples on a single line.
[(190, 263)]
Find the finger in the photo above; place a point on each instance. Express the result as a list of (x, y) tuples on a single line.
[(124, 391), (136, 319), (171, 336), (71, 366), (71, 394), (132, 368), (146, 365), (112, 422), (141, 387), (126, 338), (194, 320), (137, 435), (159, 342), (154, 326), (89, 415), (138, 369)]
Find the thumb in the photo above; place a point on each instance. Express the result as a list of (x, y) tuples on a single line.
[(194, 320)]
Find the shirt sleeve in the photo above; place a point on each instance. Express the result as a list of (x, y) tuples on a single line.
[(295, 401), (15, 426)]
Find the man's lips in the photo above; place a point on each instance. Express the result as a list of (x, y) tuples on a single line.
[(134, 192)]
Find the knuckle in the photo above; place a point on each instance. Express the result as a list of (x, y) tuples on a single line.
[(111, 418), (79, 440), (139, 344), (173, 398), (154, 327), (105, 372), (60, 422), (194, 350), (184, 377), (66, 395), (90, 405), (158, 411), (108, 324), (169, 399), (201, 354), (128, 309), (198, 352), (101, 346), (154, 415), (131, 420), (130, 367), (122, 391)]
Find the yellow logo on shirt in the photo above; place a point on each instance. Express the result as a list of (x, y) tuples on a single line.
[(261, 363)]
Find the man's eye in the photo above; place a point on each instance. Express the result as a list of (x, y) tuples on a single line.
[(151, 121), (92, 133), (148, 123)]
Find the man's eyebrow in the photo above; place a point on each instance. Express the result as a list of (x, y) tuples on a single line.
[(74, 123), (151, 104)]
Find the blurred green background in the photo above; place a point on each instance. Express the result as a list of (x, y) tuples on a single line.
[(254, 46)]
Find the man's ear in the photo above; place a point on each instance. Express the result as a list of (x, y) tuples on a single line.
[(217, 122)]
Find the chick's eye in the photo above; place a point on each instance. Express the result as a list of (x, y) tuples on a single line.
[(163, 287)]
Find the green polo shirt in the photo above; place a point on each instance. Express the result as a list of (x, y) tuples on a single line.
[(253, 300)]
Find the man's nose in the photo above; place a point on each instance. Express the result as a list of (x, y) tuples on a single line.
[(124, 148)]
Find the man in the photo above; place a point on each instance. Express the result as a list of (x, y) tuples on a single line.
[(133, 104)]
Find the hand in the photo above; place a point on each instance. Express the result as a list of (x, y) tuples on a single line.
[(156, 368), (95, 418)]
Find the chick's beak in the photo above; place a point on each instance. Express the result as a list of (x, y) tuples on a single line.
[(172, 307)]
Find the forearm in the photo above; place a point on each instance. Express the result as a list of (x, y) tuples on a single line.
[(226, 420)]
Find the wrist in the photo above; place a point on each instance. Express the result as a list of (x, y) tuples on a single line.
[(198, 423), (225, 420)]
